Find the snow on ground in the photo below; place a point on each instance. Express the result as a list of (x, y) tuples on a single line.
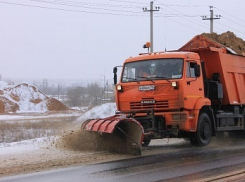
[(5, 117), (23, 146), (101, 111), (80, 108), (42, 153)]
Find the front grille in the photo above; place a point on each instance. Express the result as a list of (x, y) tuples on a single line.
[(157, 105)]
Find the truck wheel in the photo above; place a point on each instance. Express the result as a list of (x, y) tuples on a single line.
[(146, 142), (203, 134)]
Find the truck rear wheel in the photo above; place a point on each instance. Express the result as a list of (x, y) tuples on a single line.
[(203, 134)]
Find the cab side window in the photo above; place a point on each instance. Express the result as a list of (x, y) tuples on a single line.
[(190, 69)]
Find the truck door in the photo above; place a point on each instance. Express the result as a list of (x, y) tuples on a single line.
[(193, 86)]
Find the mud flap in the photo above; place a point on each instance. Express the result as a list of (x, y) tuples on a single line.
[(116, 134)]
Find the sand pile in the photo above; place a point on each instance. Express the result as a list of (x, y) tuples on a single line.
[(26, 98), (92, 141), (228, 39)]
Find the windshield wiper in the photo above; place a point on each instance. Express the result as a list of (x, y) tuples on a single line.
[(146, 77), (163, 77), (133, 79)]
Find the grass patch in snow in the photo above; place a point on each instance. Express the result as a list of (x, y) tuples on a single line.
[(15, 131)]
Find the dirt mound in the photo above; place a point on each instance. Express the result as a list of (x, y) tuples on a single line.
[(228, 39), (26, 98), (7, 105), (55, 105)]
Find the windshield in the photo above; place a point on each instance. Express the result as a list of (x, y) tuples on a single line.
[(153, 70)]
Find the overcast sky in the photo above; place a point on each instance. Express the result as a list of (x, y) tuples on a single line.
[(84, 39)]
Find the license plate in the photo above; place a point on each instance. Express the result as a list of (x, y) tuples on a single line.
[(147, 87)]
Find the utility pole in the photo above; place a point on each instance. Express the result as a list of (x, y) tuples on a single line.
[(151, 21), (212, 18)]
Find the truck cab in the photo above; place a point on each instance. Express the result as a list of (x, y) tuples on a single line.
[(164, 92)]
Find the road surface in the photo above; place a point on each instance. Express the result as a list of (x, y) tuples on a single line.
[(177, 162)]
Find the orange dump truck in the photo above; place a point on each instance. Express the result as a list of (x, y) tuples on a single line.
[(192, 93)]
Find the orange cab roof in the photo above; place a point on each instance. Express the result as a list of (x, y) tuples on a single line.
[(159, 55)]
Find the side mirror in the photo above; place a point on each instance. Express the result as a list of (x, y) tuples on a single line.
[(115, 78), (115, 70), (115, 75), (197, 69)]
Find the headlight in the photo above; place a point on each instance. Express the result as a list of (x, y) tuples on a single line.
[(119, 87), (175, 85)]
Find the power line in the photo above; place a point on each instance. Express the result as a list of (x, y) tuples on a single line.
[(231, 28), (185, 6), (75, 3), (230, 14), (216, 17), (202, 25), (158, 2), (195, 21), (135, 14), (68, 10), (132, 2), (70, 5), (171, 19), (175, 15), (183, 16), (184, 24), (233, 21)]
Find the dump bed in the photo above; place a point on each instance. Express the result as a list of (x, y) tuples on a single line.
[(222, 60)]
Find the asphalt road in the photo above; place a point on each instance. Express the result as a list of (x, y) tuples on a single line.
[(179, 162)]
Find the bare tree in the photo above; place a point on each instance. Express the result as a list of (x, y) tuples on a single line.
[(75, 95), (94, 92)]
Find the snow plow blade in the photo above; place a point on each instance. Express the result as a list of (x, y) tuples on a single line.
[(116, 134)]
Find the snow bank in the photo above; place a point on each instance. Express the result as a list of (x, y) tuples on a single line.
[(101, 111), (3, 85), (28, 116), (30, 98), (25, 98)]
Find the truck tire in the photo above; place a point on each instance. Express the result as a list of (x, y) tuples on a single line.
[(203, 134), (146, 142)]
